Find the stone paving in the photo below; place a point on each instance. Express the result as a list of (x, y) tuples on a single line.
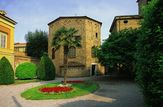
[(112, 93)]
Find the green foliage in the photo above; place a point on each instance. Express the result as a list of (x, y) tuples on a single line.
[(46, 68), (6, 72), (78, 90), (64, 37), (37, 43), (118, 51), (149, 72), (26, 70)]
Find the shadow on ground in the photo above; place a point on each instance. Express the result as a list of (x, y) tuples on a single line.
[(16, 102), (86, 103), (112, 93)]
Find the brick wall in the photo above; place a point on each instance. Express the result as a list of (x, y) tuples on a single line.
[(22, 59)]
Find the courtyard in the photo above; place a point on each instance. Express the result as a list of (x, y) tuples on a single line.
[(112, 93)]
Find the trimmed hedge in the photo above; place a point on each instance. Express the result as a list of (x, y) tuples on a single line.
[(46, 68), (6, 72), (26, 70)]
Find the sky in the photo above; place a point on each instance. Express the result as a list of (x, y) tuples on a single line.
[(36, 14)]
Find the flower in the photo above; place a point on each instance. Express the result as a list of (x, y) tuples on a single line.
[(56, 89)]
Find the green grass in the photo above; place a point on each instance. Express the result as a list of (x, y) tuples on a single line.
[(79, 89), (26, 81)]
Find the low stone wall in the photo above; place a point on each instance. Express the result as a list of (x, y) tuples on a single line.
[(21, 59)]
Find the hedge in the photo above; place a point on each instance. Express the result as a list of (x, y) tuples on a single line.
[(6, 72), (46, 68), (26, 70)]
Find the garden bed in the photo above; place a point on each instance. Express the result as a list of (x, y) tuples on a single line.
[(59, 91)]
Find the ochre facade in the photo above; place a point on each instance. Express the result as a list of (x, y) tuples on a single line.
[(125, 22), (83, 64), (20, 49), (7, 28)]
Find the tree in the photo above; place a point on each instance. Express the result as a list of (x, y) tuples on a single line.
[(149, 73), (118, 51), (46, 68), (65, 37), (37, 43), (6, 72)]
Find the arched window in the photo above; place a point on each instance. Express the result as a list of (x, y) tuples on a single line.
[(72, 52), (53, 53)]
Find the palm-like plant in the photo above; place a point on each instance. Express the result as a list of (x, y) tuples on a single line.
[(64, 37)]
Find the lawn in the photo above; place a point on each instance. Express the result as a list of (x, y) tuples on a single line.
[(78, 89)]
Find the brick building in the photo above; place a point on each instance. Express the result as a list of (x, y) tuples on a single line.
[(124, 22), (81, 61), (21, 55)]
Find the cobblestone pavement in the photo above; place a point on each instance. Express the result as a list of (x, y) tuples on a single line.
[(112, 93)]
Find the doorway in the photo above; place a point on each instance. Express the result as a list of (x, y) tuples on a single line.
[(93, 70)]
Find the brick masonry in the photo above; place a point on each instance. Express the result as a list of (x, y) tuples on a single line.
[(90, 32)]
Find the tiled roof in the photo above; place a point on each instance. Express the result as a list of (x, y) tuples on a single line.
[(65, 17)]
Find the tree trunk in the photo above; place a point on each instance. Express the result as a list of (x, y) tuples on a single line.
[(65, 64)]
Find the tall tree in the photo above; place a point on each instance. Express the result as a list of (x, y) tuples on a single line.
[(149, 65), (118, 51), (64, 37), (37, 43)]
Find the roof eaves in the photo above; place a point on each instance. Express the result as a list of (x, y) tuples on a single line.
[(74, 17), (8, 19)]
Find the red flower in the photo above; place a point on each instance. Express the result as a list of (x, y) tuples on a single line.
[(55, 89)]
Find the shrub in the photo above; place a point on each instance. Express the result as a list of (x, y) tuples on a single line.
[(26, 70), (6, 72), (46, 68)]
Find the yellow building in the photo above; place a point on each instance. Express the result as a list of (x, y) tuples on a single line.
[(81, 61), (20, 49), (7, 37), (125, 22)]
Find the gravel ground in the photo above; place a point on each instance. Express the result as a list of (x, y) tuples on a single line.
[(112, 93)]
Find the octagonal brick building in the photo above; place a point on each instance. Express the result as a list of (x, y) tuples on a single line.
[(81, 60)]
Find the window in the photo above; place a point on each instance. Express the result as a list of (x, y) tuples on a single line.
[(16, 49), (77, 38), (96, 35), (53, 53), (3, 40), (125, 21), (72, 52), (93, 51), (21, 49)]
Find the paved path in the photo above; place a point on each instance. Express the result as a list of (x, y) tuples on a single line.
[(111, 94)]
